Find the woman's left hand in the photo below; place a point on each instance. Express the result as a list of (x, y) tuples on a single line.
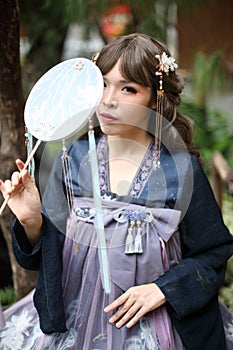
[(135, 303)]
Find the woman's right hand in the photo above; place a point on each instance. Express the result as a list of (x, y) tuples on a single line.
[(24, 201)]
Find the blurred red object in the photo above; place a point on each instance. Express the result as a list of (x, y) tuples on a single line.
[(116, 21)]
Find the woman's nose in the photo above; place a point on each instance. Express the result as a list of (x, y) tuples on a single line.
[(109, 99)]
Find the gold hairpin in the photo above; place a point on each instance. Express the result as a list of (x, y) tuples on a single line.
[(165, 65), (95, 57)]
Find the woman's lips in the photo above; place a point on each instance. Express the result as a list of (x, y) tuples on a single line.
[(108, 118)]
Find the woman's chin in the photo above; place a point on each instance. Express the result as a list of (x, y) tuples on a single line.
[(111, 128)]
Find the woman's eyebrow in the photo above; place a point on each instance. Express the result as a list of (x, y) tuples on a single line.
[(126, 81), (122, 81)]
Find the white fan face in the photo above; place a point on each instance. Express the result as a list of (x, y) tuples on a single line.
[(63, 99)]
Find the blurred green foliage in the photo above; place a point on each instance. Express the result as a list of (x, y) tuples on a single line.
[(214, 135), (226, 292), (211, 126), (7, 296)]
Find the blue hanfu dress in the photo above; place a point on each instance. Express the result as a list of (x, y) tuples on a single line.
[(145, 243)]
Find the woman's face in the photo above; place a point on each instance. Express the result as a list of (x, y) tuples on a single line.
[(125, 106)]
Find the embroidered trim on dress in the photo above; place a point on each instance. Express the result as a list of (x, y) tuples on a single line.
[(143, 173), (140, 178)]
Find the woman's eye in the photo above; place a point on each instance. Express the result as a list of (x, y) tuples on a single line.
[(129, 89)]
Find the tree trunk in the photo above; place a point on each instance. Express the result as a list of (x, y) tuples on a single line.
[(11, 125)]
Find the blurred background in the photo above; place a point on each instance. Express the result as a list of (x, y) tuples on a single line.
[(36, 35)]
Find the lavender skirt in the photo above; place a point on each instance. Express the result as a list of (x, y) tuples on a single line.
[(84, 297)]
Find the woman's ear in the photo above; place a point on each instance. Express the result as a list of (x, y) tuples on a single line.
[(153, 105)]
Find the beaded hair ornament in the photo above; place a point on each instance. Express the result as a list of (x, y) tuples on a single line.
[(166, 65)]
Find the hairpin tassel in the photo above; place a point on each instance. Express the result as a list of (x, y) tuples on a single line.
[(66, 166), (166, 64), (158, 121)]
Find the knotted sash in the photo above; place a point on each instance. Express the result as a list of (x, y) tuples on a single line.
[(126, 270)]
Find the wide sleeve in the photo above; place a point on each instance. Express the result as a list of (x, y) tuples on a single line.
[(27, 256), (55, 208), (46, 256), (206, 246), (54, 213)]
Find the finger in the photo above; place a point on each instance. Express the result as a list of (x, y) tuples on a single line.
[(22, 177), (122, 310), (132, 316), (17, 175), (27, 180), (2, 185), (116, 303), (20, 164), (7, 187), (15, 178), (139, 314)]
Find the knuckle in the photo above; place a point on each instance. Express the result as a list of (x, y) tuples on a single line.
[(134, 292), (130, 313), (123, 309)]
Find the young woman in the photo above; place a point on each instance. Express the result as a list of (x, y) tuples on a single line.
[(166, 241)]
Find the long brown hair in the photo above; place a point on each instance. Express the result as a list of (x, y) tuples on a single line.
[(138, 63)]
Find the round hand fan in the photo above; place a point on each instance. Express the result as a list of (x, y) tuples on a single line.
[(61, 102), (63, 99)]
